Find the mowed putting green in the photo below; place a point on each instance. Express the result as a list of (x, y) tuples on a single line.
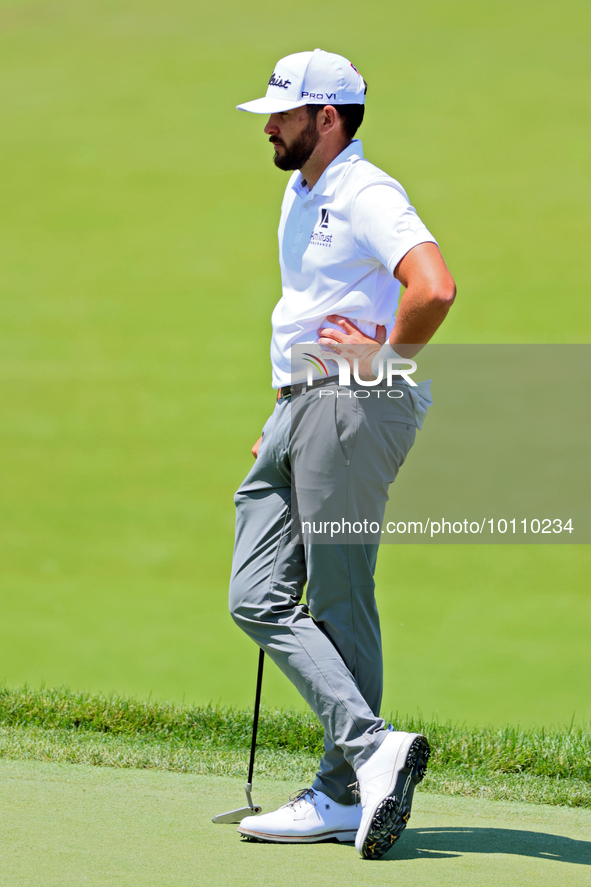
[(138, 271), (66, 825)]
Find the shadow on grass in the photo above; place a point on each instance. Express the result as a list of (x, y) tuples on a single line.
[(433, 843), (449, 843)]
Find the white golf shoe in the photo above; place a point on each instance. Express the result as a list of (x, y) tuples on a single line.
[(386, 786), (310, 816)]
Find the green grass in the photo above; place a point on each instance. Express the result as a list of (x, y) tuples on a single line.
[(550, 767), (72, 825), (138, 259)]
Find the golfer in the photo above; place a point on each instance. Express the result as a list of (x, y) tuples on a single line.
[(348, 240)]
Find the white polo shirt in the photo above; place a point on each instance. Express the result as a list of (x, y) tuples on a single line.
[(338, 247)]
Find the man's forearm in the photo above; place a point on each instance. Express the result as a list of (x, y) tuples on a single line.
[(419, 316), (430, 292)]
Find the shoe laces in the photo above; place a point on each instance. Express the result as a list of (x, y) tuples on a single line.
[(354, 786), (303, 795)]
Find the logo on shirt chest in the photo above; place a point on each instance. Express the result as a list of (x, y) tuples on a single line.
[(319, 238)]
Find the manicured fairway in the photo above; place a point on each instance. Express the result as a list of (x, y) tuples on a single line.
[(138, 271), (68, 825)]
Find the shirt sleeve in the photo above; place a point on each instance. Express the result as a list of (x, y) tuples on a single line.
[(385, 225)]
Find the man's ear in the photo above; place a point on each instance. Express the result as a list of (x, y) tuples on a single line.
[(328, 118)]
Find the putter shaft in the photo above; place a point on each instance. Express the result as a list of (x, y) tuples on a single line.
[(233, 816)]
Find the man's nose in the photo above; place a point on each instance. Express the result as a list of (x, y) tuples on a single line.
[(271, 126)]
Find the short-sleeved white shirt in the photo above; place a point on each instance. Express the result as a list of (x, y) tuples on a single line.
[(338, 247)]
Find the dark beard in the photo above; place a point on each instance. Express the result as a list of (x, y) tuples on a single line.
[(300, 151)]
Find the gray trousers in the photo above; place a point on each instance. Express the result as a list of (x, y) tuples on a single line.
[(341, 454)]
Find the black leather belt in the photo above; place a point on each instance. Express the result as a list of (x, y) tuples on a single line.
[(288, 390)]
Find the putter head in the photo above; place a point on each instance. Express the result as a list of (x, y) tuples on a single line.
[(237, 815)]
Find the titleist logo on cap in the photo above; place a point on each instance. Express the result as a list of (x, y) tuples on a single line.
[(277, 81)]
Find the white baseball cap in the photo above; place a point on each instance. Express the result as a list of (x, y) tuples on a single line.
[(310, 78)]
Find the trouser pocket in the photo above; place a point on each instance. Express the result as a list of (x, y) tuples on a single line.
[(346, 420)]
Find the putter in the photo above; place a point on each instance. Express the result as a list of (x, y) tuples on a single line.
[(237, 815)]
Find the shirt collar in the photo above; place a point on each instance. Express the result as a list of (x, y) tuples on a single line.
[(328, 181)]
